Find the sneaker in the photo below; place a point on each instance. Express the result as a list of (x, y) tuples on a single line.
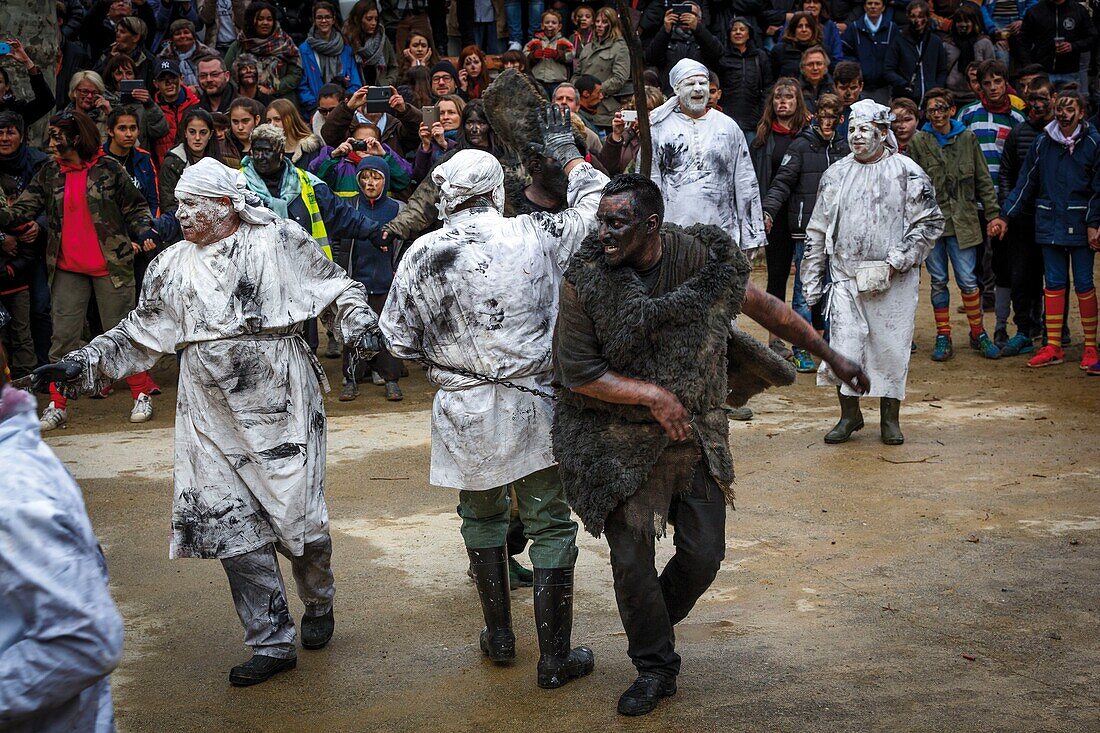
[(52, 417), (645, 693), (1018, 344), (986, 347), (376, 379), (349, 392), (943, 350), (143, 409), (1000, 338), (780, 349), (514, 46), (803, 364), (1089, 358), (742, 413), (1094, 370), (393, 392), (1047, 356)]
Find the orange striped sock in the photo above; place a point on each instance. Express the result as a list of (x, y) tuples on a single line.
[(1055, 303), (943, 321), (1087, 303), (972, 301)]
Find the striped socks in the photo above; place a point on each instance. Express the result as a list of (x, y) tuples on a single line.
[(1055, 302), (972, 301)]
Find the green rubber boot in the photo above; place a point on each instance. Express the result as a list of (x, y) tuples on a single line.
[(889, 425), (851, 420)]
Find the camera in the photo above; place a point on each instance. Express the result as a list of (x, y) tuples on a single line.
[(5, 48), (359, 146)]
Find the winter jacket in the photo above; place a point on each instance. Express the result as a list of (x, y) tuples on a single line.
[(1019, 140), (811, 94), (380, 76), (307, 150), (366, 263), (870, 49), (763, 155), (957, 80), (549, 59), (23, 164), (796, 181), (173, 115), (139, 164), (915, 65), (1063, 186), (120, 213), (311, 83), (744, 78), (338, 125), (339, 173), (39, 105), (787, 59), (830, 41), (1046, 21), (208, 14), (609, 61), (170, 171), (98, 33), (956, 165), (666, 49), (990, 6), (189, 66)]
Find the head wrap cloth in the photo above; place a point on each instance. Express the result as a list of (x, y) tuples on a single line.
[(868, 110), (468, 173), (684, 69), (210, 179)]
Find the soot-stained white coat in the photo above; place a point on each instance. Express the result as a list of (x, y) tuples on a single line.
[(705, 174), (250, 420), (482, 293), (868, 214)]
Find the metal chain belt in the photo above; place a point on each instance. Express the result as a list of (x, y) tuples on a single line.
[(427, 361)]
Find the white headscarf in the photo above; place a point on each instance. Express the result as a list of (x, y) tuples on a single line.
[(868, 110), (466, 174), (684, 69), (211, 179)]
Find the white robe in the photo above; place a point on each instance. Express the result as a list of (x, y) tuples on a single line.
[(875, 212), (482, 294), (706, 176), (250, 420)]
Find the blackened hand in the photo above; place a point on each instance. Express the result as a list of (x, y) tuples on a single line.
[(557, 135), (850, 373), (61, 372), (670, 413)]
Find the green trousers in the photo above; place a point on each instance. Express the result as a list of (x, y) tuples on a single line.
[(542, 509)]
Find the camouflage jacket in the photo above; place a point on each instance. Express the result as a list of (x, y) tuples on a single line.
[(120, 213)]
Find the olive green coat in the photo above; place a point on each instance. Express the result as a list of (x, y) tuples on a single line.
[(609, 61), (961, 179)]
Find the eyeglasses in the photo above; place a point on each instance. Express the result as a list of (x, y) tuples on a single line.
[(86, 92), (325, 111), (937, 108)]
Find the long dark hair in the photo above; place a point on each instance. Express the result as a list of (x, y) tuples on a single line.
[(212, 149), (801, 113), (792, 24), (353, 28), (80, 127), (965, 44), (474, 106), (252, 11)]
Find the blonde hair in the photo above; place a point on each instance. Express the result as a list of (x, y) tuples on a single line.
[(89, 76), (294, 127), (615, 29)]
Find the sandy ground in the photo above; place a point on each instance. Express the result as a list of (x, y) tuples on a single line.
[(945, 585)]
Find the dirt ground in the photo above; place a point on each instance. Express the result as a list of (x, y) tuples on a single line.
[(948, 584)]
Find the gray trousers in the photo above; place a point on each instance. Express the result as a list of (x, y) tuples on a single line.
[(17, 334), (71, 294), (259, 594)]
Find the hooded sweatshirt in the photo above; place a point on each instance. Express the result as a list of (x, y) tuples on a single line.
[(80, 251), (366, 263)]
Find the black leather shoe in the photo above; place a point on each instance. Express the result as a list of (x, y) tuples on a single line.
[(317, 630), (259, 669), (643, 695)]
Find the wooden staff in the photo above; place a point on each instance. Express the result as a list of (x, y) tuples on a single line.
[(637, 69)]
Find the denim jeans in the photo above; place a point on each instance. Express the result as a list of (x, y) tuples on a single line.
[(1057, 261), (798, 298), (963, 261), (513, 14)]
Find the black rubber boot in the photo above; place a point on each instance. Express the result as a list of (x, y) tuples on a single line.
[(889, 425), (558, 662), (490, 568), (317, 630), (259, 669), (851, 420)]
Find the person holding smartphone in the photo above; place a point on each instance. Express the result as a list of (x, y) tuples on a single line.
[(438, 133)]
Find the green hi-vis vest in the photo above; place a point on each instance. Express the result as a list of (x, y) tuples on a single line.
[(316, 225)]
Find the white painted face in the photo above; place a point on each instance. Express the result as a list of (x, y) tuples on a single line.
[(202, 218), (866, 140), (693, 93)]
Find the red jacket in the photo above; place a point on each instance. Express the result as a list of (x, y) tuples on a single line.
[(173, 113)]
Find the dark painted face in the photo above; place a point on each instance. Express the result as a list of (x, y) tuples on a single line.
[(550, 174), (476, 131), (268, 160), (622, 232)]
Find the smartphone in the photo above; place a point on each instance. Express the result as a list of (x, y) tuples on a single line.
[(5, 48), (127, 86), (378, 99), (431, 115), (681, 8), (630, 115)]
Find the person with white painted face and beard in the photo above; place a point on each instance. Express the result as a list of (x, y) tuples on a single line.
[(701, 161), (250, 420), (875, 221), (478, 299)]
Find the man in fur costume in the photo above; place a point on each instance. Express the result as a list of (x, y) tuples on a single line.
[(644, 349), (478, 298)]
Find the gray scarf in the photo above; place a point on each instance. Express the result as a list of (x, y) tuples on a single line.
[(373, 51), (328, 54)]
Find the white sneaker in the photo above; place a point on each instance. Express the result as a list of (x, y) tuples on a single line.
[(52, 417), (515, 46), (143, 409), (376, 379)]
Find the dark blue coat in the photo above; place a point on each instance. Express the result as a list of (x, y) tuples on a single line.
[(1063, 188), (869, 49), (366, 263), (139, 164), (915, 65)]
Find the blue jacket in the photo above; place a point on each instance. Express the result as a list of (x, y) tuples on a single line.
[(366, 263), (869, 49), (1063, 187), (1022, 6), (139, 164), (311, 77), (915, 65)]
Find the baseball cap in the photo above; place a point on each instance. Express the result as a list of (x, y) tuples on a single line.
[(167, 66)]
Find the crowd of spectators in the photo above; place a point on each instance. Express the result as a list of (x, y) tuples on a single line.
[(337, 113)]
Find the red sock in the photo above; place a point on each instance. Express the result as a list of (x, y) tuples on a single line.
[(943, 321), (57, 398), (138, 384), (972, 301), (1087, 303), (1055, 302)]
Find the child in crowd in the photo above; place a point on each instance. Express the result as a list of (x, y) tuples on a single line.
[(549, 53), (584, 29)]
